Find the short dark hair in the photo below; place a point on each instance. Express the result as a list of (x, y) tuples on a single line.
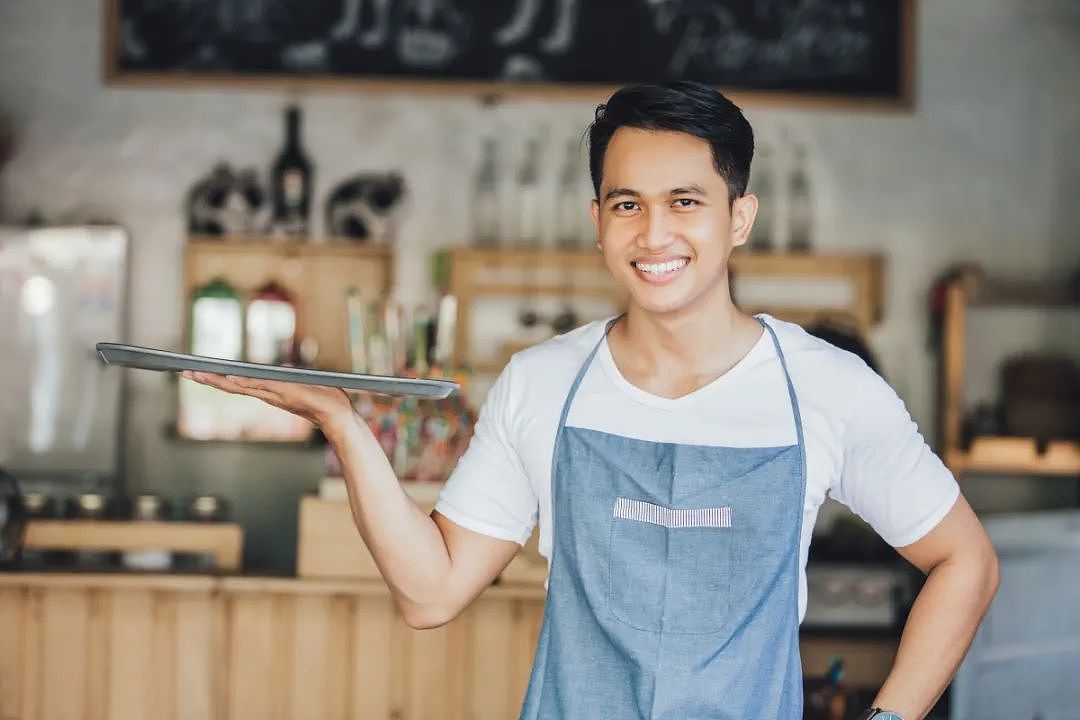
[(682, 106)]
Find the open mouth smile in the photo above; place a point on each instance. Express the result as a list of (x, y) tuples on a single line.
[(660, 272)]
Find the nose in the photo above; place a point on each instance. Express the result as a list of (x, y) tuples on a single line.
[(657, 231)]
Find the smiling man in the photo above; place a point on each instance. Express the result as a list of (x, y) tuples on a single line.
[(675, 457)]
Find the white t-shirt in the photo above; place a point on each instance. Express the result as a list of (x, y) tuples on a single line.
[(862, 447)]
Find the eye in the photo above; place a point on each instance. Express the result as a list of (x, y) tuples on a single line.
[(625, 206), (686, 202)]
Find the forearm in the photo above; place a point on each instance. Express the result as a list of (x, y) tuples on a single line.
[(406, 544), (938, 633)]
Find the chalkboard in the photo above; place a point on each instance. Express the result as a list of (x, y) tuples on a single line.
[(804, 49)]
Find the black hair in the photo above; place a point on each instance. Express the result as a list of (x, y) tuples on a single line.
[(682, 106)]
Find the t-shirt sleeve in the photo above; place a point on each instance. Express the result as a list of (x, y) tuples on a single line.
[(891, 478), (489, 491)]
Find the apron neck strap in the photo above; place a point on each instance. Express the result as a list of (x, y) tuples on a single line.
[(787, 378)]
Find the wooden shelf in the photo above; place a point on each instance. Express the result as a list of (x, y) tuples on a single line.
[(317, 275), (1017, 455), (992, 455), (223, 541), (479, 273), (294, 248)]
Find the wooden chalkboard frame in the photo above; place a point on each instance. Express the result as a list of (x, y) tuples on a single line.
[(903, 101)]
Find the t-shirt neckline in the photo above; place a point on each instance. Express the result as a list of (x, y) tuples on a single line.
[(607, 362)]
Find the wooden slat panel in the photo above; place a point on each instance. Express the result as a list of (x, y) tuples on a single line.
[(528, 616), (251, 692), (62, 687), (310, 659), (491, 692), (164, 690), (198, 663), (33, 639), (131, 656), (429, 678), (376, 660), (340, 653), (98, 650), (12, 616)]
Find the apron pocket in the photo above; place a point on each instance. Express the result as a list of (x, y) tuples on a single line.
[(670, 569)]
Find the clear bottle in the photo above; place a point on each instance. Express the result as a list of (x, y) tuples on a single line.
[(528, 198), (569, 203), (761, 185), (486, 199), (801, 211)]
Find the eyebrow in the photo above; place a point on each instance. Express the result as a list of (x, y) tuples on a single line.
[(692, 189)]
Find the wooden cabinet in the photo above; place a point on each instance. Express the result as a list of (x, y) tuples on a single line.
[(114, 647), (316, 275), (170, 647)]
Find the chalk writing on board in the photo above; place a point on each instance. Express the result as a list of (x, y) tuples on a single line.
[(814, 37), (851, 47)]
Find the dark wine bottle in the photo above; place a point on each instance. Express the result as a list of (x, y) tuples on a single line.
[(291, 181)]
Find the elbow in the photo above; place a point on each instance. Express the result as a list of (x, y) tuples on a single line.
[(425, 617)]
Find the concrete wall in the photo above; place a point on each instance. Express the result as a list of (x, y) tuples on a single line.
[(985, 168)]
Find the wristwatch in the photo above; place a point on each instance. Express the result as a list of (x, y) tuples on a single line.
[(879, 714)]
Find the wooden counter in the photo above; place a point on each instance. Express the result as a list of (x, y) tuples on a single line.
[(174, 647)]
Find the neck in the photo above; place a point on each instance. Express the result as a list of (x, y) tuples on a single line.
[(702, 339)]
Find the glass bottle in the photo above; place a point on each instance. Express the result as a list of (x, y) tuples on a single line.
[(486, 199), (569, 204), (528, 198), (291, 179), (801, 206), (761, 235)]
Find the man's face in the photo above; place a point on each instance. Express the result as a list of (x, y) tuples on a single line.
[(663, 221)]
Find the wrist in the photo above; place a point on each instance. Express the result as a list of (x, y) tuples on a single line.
[(339, 425), (876, 713)]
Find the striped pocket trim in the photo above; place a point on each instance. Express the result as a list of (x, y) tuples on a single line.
[(716, 517)]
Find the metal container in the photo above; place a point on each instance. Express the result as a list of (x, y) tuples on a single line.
[(207, 508), (148, 507)]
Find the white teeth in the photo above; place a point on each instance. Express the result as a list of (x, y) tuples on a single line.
[(661, 268)]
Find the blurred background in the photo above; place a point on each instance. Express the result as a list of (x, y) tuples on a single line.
[(401, 186)]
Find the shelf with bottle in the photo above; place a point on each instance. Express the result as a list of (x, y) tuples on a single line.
[(762, 282), (249, 299), (977, 444)]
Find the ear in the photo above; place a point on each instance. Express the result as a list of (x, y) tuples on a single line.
[(594, 212), (743, 212)]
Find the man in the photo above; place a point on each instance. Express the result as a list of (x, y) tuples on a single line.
[(676, 457)]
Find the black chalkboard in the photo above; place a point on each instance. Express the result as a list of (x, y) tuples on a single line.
[(850, 49)]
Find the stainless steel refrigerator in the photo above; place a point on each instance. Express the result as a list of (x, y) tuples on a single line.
[(62, 289)]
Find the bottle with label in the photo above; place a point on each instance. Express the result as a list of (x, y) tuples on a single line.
[(291, 179), (761, 185), (486, 199), (216, 330), (271, 326), (217, 321), (800, 206)]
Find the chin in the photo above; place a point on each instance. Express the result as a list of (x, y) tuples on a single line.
[(662, 303)]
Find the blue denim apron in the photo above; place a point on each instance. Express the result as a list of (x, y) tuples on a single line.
[(673, 588)]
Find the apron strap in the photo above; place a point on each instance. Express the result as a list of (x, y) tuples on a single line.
[(580, 375), (787, 377)]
